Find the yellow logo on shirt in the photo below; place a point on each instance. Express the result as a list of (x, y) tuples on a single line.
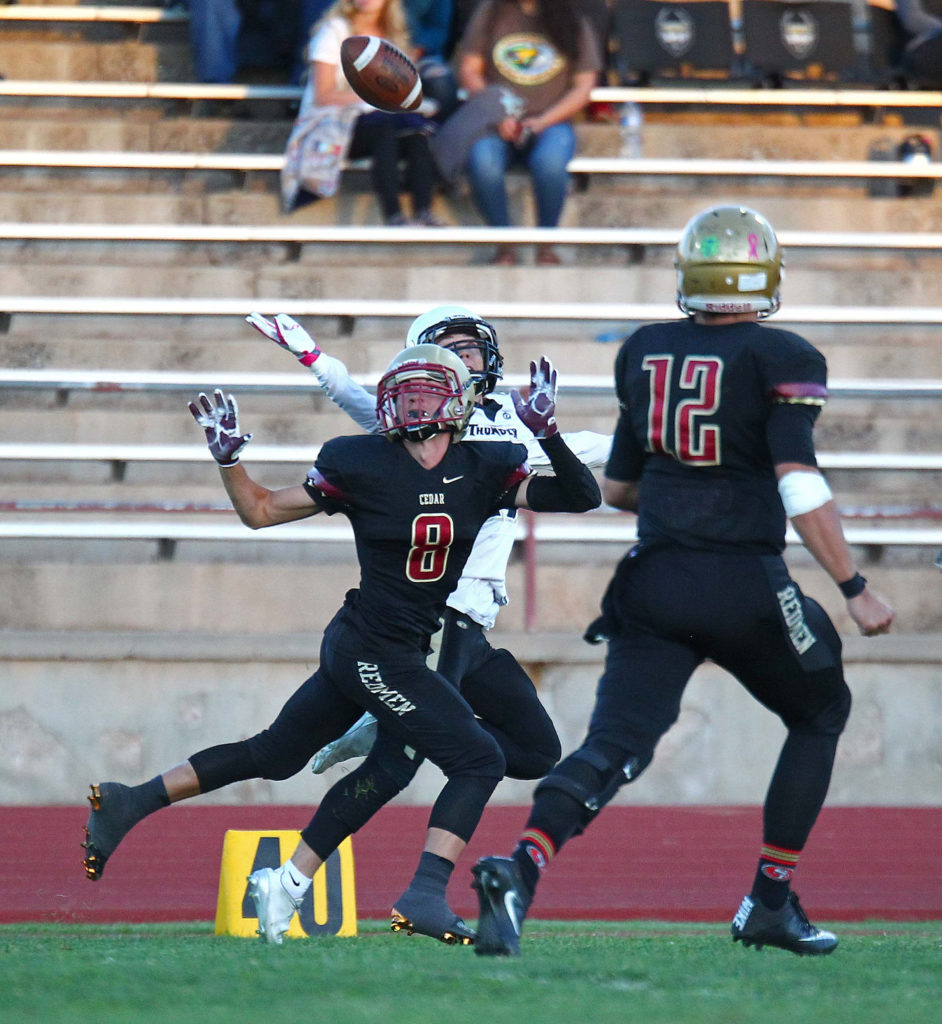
[(527, 59)]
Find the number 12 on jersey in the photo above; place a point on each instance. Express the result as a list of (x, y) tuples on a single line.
[(694, 441)]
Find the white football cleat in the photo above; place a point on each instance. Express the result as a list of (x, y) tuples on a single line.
[(274, 908), (357, 741)]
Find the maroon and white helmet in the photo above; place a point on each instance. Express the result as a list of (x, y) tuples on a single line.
[(424, 372)]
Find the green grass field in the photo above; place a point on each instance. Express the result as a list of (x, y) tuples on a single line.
[(573, 973)]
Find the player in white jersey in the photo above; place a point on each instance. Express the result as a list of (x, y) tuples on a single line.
[(490, 679)]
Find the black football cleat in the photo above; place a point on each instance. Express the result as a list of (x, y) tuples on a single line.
[(425, 914), (501, 906), (787, 928), (114, 813)]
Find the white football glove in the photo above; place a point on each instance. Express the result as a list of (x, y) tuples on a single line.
[(289, 334)]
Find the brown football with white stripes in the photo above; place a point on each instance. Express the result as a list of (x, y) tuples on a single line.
[(380, 73)]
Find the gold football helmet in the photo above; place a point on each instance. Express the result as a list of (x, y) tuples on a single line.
[(425, 390), (729, 261)]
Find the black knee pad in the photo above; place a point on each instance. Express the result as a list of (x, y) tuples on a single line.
[(829, 716), (592, 779)]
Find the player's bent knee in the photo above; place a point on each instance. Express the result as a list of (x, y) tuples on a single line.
[(534, 766), (276, 765), (838, 713), (830, 717), (480, 757)]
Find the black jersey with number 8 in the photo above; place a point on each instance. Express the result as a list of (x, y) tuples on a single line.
[(413, 527)]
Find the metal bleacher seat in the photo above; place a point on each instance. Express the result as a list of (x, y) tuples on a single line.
[(130, 14), (583, 167), (301, 234), (122, 454), (664, 39), (580, 530), (350, 310)]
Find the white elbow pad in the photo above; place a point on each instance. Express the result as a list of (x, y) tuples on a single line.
[(803, 492)]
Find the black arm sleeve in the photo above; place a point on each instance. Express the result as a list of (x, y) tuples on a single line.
[(572, 489), (790, 433)]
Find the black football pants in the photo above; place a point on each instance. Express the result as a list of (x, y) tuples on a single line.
[(668, 610)]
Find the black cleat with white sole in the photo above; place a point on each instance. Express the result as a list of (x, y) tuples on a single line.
[(501, 906), (423, 913), (787, 928)]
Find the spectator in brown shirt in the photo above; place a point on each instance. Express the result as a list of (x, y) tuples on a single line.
[(547, 54)]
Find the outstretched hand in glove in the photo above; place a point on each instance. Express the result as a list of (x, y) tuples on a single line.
[(221, 423), (538, 412), (289, 334)]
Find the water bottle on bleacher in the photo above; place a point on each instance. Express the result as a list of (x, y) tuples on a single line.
[(631, 124)]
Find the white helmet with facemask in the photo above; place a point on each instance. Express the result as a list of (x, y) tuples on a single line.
[(434, 326)]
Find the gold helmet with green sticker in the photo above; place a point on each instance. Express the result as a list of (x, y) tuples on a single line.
[(729, 261)]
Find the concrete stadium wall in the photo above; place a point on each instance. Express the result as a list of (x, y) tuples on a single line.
[(76, 709)]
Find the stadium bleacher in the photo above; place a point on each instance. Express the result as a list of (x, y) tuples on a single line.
[(134, 236)]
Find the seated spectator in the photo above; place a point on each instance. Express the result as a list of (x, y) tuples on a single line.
[(228, 36), (333, 122), (922, 56), (430, 23), (546, 53)]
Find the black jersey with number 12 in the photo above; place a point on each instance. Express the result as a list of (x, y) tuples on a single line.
[(706, 413)]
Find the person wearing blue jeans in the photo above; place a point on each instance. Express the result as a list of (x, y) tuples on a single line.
[(214, 31), (546, 53), (430, 24), (545, 156), (281, 25)]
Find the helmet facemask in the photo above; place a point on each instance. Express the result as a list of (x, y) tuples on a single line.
[(433, 328), (426, 390), (729, 261)]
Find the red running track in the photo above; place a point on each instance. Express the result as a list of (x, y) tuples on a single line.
[(671, 863)]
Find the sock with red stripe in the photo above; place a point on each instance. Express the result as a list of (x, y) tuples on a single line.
[(533, 853), (774, 874)]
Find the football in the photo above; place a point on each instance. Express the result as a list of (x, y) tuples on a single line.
[(380, 73)]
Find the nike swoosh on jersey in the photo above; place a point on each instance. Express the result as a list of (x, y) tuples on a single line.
[(451, 479)]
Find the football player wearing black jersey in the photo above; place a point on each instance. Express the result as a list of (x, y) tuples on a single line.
[(416, 506), (490, 679), (713, 449)]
